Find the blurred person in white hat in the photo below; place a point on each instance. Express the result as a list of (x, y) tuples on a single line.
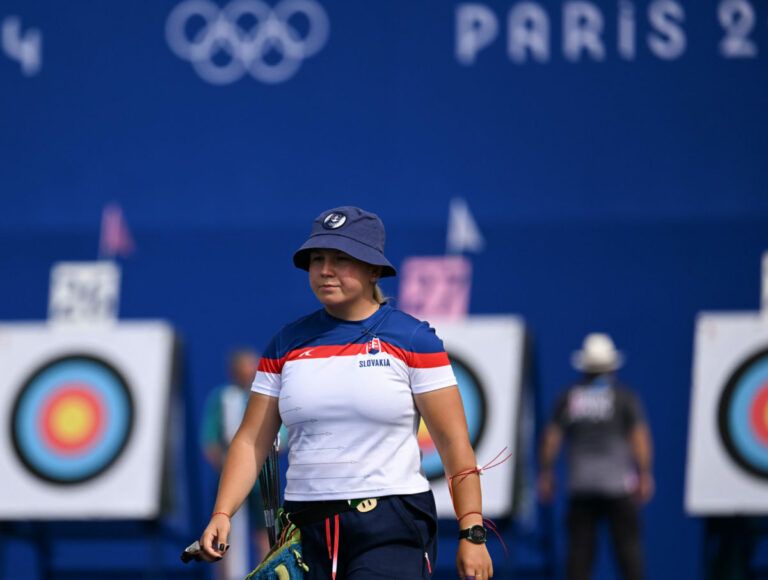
[(609, 460)]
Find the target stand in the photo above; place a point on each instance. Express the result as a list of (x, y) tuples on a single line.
[(727, 464), (491, 359)]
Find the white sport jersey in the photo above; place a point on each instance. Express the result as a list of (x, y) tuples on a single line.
[(346, 398)]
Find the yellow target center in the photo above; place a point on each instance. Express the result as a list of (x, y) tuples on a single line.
[(72, 419)]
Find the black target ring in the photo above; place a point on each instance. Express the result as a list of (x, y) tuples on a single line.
[(742, 415)]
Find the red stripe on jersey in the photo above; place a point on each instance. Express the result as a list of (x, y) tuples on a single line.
[(271, 365), (325, 351), (428, 360), (418, 360)]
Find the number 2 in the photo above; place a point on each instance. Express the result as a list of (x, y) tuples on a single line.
[(737, 17)]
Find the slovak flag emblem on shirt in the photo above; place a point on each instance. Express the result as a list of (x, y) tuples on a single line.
[(373, 347)]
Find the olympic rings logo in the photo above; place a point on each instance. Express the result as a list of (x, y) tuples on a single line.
[(246, 36)]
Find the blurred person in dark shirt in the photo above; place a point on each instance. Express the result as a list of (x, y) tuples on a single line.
[(609, 460)]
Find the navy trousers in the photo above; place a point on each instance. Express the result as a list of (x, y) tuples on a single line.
[(397, 540), (584, 514)]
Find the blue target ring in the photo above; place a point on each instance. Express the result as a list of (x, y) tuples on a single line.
[(71, 419), (743, 415), (473, 398)]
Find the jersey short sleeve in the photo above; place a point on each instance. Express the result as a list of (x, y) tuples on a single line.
[(268, 380), (428, 365)]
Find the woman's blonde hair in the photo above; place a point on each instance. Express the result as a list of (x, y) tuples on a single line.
[(378, 295)]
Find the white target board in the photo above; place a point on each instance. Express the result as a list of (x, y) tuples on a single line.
[(85, 412), (486, 354), (727, 467)]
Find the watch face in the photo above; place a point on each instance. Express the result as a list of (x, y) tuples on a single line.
[(477, 534)]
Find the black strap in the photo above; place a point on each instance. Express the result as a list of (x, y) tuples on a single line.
[(316, 513), (319, 512)]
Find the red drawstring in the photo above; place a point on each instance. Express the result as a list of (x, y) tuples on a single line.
[(489, 523), (478, 469), (333, 552), (469, 514), (335, 546)]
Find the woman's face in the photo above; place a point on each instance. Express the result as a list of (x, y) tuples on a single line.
[(343, 284)]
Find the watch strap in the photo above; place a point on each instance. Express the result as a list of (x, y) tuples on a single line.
[(476, 534)]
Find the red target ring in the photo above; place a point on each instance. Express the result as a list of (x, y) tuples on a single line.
[(72, 420), (759, 414)]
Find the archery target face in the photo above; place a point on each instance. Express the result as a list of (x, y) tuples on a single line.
[(727, 462), (743, 415), (72, 419), (473, 398), (86, 418), (486, 354)]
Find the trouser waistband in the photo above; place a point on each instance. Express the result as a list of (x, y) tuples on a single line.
[(321, 511)]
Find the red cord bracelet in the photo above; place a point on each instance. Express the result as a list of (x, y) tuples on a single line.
[(222, 513)]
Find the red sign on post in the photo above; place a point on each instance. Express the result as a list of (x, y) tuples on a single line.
[(435, 286)]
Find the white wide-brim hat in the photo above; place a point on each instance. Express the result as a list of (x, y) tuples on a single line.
[(597, 355)]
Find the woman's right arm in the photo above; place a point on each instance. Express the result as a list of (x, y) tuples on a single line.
[(247, 453)]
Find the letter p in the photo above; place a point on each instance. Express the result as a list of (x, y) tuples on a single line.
[(476, 28)]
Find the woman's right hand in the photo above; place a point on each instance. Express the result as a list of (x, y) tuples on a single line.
[(213, 542)]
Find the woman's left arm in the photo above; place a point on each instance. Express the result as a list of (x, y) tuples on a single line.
[(443, 415)]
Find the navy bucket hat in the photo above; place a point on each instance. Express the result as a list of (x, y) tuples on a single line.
[(352, 230)]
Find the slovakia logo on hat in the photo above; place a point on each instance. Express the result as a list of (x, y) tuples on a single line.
[(373, 347), (334, 220)]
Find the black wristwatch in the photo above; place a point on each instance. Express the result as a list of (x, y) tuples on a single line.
[(475, 534)]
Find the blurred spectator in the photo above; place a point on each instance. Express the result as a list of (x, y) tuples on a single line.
[(222, 415), (609, 460)]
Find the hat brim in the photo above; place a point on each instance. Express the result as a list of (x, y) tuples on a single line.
[(582, 363), (344, 244)]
